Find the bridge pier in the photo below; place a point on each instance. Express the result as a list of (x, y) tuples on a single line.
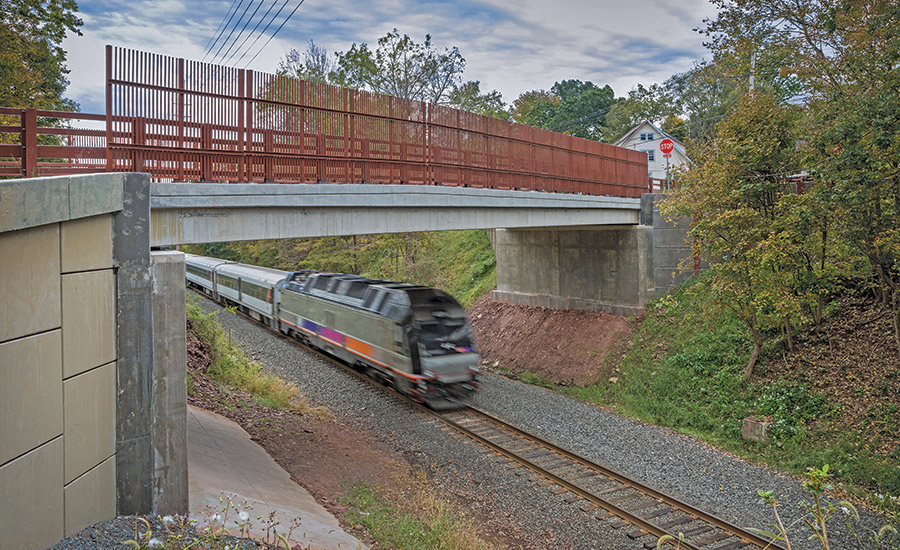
[(614, 268)]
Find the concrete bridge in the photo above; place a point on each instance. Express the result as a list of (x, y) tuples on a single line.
[(557, 250)]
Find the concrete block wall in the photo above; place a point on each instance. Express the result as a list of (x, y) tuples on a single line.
[(65, 245), (57, 380)]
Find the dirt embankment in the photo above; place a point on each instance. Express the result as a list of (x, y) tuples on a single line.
[(562, 346)]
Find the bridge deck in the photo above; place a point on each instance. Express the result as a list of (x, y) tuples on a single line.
[(184, 213)]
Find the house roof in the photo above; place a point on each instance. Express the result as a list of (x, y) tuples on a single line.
[(646, 122)]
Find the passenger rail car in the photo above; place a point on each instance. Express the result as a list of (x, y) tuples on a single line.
[(414, 338)]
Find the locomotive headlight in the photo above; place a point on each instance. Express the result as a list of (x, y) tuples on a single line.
[(474, 369)]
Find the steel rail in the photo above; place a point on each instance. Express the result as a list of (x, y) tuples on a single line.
[(639, 522), (726, 526)]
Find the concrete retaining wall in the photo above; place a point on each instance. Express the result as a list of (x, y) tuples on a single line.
[(67, 357)]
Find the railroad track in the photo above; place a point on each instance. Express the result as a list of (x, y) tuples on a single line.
[(647, 513)]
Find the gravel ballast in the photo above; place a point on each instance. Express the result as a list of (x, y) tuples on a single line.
[(678, 465)]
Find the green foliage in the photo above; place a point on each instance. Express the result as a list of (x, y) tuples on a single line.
[(469, 97), (422, 522), (231, 366), (683, 369), (792, 407), (842, 60), (761, 241), (32, 63), (459, 262), (571, 107)]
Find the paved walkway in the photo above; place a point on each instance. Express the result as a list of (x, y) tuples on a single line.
[(223, 459)]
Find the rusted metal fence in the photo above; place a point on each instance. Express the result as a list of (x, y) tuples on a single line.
[(183, 120)]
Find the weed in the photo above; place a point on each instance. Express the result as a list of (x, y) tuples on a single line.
[(818, 513), (414, 518), (231, 366)]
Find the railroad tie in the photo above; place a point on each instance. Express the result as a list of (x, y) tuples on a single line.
[(637, 534), (676, 521), (734, 545), (657, 513), (715, 537), (698, 530)]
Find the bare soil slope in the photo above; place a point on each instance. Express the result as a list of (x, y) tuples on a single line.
[(564, 347)]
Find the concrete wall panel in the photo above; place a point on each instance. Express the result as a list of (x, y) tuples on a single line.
[(30, 393), (90, 419), (31, 489), (29, 281), (88, 320), (91, 497), (87, 244)]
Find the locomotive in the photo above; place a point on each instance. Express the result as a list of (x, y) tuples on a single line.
[(416, 339)]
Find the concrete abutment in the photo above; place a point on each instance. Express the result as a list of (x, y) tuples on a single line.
[(613, 268), (92, 369)]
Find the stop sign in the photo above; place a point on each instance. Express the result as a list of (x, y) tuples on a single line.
[(666, 146)]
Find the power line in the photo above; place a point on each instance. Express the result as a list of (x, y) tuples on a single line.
[(283, 23), (274, 17), (258, 23), (223, 29), (210, 41), (236, 38), (222, 45)]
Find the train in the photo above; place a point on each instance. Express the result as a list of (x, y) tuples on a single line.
[(416, 339)]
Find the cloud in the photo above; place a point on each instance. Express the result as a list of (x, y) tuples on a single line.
[(510, 45)]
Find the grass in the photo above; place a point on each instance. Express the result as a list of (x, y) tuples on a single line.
[(683, 369), (411, 517), (233, 368)]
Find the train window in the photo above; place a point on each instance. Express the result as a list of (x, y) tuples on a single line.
[(202, 273), (226, 281), (357, 288), (322, 282), (255, 291)]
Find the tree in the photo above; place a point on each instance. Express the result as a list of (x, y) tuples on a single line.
[(842, 58), (571, 106), (642, 103), (702, 96), (468, 97), (535, 108), (735, 193), (32, 62), (315, 65), (401, 67)]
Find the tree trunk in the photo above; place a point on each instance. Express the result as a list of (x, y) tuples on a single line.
[(757, 346), (896, 318), (789, 335)]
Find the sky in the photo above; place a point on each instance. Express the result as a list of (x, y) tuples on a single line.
[(512, 46)]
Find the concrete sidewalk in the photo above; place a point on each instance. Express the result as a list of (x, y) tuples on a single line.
[(223, 459)]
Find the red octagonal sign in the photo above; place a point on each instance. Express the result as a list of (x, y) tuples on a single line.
[(666, 146)]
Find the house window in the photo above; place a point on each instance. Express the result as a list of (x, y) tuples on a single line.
[(651, 155), (647, 136)]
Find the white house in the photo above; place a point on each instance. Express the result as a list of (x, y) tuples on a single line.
[(646, 137)]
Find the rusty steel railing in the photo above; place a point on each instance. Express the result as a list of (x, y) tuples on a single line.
[(183, 120)]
